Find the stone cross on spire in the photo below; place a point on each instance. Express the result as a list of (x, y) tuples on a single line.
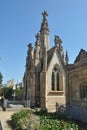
[(44, 33), (44, 14), (44, 24)]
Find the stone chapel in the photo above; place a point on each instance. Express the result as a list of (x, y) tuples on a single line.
[(50, 81)]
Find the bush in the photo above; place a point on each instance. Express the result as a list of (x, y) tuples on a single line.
[(54, 121), (41, 120), (19, 117), (24, 120)]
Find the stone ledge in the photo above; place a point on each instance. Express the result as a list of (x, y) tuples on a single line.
[(58, 93)]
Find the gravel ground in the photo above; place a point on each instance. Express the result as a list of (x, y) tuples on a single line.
[(5, 117)]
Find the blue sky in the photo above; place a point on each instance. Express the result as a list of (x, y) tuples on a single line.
[(20, 20)]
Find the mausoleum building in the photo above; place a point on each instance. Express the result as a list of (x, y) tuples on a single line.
[(50, 81)]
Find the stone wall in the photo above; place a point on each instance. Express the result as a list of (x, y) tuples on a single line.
[(52, 102), (77, 112), (77, 106)]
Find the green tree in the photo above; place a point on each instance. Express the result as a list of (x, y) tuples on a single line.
[(1, 91), (19, 94), (8, 91), (1, 77)]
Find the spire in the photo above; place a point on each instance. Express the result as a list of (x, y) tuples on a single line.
[(44, 24), (45, 60), (37, 49), (66, 58), (29, 58), (44, 33)]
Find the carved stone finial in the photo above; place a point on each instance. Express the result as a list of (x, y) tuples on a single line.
[(30, 46), (44, 24), (44, 14), (37, 37), (66, 58), (57, 40)]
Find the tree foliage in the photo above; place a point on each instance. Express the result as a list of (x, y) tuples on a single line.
[(8, 92), (19, 94), (1, 91)]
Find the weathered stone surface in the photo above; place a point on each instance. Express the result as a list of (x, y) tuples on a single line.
[(66, 87), (39, 67)]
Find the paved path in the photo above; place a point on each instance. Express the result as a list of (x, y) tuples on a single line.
[(5, 116)]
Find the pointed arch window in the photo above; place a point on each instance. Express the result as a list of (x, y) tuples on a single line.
[(55, 80), (52, 80)]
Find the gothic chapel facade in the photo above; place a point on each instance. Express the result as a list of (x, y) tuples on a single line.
[(50, 80)]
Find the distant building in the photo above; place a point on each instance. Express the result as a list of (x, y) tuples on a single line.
[(15, 85), (10, 82), (50, 81), (19, 85)]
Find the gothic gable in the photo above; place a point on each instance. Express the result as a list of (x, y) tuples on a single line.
[(81, 56), (55, 73), (54, 58), (50, 56)]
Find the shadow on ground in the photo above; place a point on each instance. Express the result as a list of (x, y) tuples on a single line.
[(9, 122)]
